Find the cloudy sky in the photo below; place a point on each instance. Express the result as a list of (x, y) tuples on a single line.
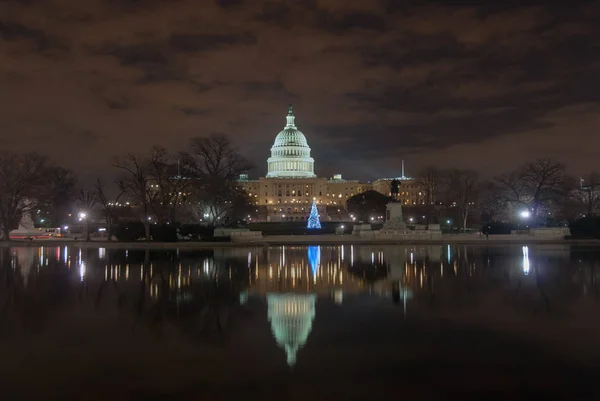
[(372, 82)]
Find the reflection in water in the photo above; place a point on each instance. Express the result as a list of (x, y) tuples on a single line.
[(291, 317), (526, 260), (201, 292), (314, 256)]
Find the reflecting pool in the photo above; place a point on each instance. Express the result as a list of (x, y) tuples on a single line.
[(342, 322)]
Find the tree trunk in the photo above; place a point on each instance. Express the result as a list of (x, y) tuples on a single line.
[(147, 229), (109, 229), (87, 230), (465, 216), (5, 234)]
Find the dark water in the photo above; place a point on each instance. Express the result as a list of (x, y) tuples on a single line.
[(329, 322)]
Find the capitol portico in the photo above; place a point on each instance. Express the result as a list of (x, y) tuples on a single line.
[(291, 185)]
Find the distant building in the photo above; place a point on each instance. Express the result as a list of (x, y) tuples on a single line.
[(287, 191), (409, 192)]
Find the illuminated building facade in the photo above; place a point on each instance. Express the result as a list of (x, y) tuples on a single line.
[(287, 191)]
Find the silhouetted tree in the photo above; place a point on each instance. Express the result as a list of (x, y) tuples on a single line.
[(367, 204), (535, 185), (215, 165), (462, 190), (136, 181), (492, 203), (87, 200), (588, 193), (108, 207), (58, 195), (428, 182), (21, 182), (171, 182)]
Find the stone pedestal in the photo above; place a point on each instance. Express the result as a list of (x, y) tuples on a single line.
[(393, 217)]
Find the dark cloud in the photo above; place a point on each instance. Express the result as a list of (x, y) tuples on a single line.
[(371, 81), (12, 31), (347, 22), (151, 59), (191, 111), (204, 42)]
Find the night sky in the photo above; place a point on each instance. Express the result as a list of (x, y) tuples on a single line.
[(480, 86)]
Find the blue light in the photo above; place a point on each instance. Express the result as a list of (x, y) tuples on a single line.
[(314, 257)]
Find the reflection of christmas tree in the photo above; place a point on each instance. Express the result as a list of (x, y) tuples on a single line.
[(313, 219)]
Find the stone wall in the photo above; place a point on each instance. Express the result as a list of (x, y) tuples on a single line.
[(237, 234)]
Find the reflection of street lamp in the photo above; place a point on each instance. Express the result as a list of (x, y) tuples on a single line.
[(83, 216)]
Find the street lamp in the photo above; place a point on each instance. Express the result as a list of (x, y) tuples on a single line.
[(525, 214), (83, 216)]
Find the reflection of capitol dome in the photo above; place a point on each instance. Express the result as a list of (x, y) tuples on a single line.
[(290, 154), (291, 317)]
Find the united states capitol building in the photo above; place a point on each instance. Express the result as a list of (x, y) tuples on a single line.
[(291, 185)]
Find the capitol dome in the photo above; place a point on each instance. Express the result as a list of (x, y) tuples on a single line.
[(290, 154), (291, 317)]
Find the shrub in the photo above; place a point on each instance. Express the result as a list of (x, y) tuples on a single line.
[(129, 231), (587, 227), (496, 227), (163, 233), (196, 231)]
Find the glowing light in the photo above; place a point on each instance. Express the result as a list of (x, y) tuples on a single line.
[(82, 215), (526, 265), (291, 317), (313, 220), (525, 214), (314, 258)]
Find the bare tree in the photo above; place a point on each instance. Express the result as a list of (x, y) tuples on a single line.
[(87, 200), (535, 185), (21, 179), (462, 191), (215, 165), (135, 182), (492, 203), (427, 182), (171, 183), (215, 157), (58, 193), (108, 206), (589, 193)]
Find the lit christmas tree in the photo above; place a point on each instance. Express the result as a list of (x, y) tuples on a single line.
[(313, 219)]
